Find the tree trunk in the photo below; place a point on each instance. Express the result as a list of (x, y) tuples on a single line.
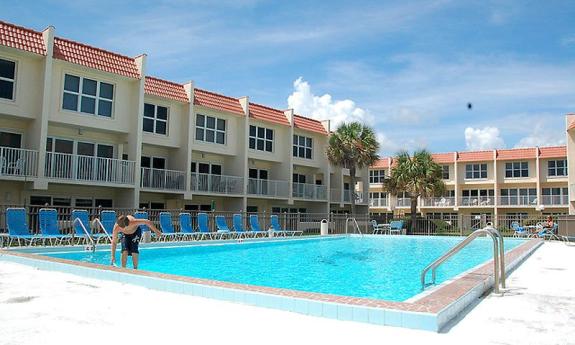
[(413, 214), (352, 190)]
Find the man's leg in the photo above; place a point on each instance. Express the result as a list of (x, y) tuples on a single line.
[(135, 257), (124, 258)]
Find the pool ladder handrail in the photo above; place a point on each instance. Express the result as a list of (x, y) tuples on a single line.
[(498, 256), (354, 221), (99, 223), (88, 234)]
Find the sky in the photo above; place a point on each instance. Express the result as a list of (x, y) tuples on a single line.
[(407, 69)]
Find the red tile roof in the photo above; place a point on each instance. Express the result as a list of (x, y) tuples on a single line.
[(261, 112), (381, 163), (553, 152), (524, 153), (443, 157), (475, 156), (571, 126), (21, 38), (95, 58), (216, 101), (308, 124), (165, 89)]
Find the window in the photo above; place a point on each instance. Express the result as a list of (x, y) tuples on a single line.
[(377, 195), (517, 169), (376, 176), (261, 138), (206, 168), (210, 129), (7, 79), (475, 171), (87, 96), (302, 146), (155, 119), (477, 197), (13, 140), (522, 196), (445, 172), (298, 178), (555, 196), (557, 168)]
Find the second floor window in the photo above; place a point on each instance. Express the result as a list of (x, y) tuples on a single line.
[(261, 138), (517, 169), (475, 171), (557, 168), (210, 129), (155, 119), (87, 96), (302, 146), (445, 172), (376, 176), (7, 78)]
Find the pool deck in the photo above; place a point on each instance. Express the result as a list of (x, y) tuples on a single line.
[(57, 308)]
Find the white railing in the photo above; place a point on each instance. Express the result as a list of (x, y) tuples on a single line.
[(517, 200), (446, 201), (18, 162), (477, 201), (163, 179), (272, 188), (65, 166), (220, 184), (555, 199), (572, 191), (379, 202), (309, 191), (403, 202), (335, 195), (359, 198)]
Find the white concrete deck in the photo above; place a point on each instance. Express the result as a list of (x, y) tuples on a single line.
[(41, 307)]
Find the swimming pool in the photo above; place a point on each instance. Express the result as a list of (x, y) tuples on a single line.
[(377, 267)]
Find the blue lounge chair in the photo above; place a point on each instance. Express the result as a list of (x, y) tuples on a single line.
[(255, 226), (107, 222), (49, 228), (17, 222), (82, 229), (167, 227), (238, 225), (396, 226), (142, 215), (549, 233), (204, 226), (222, 227), (186, 228), (519, 231), (276, 227)]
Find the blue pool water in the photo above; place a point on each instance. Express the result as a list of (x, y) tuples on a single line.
[(384, 267)]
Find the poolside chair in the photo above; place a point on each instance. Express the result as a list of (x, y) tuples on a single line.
[(204, 226), (167, 227), (255, 226), (81, 224), (548, 233), (519, 231), (378, 228), (222, 227), (49, 228), (107, 220), (186, 228), (276, 227), (17, 223), (238, 226), (396, 226)]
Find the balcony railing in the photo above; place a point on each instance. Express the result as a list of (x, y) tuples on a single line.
[(65, 166), (446, 201), (220, 184), (555, 200), (271, 188), (18, 162), (380, 202), (309, 191), (162, 179), (403, 202), (477, 201), (517, 200)]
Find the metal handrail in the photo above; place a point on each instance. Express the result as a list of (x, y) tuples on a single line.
[(78, 220), (354, 222), (97, 221), (498, 256)]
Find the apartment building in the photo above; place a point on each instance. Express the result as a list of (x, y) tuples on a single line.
[(514, 183), (84, 127)]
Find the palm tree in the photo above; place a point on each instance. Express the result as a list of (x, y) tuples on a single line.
[(417, 175), (353, 146)]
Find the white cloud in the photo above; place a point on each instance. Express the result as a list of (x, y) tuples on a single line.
[(304, 102), (391, 145), (542, 136), (483, 138)]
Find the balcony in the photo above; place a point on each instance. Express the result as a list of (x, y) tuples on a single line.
[(18, 162), (69, 167), (335, 195), (518, 200), (162, 179), (555, 200), (218, 184), (477, 201), (403, 202), (309, 191), (446, 201), (268, 188), (381, 202)]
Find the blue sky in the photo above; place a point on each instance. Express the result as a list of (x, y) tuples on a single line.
[(406, 68)]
